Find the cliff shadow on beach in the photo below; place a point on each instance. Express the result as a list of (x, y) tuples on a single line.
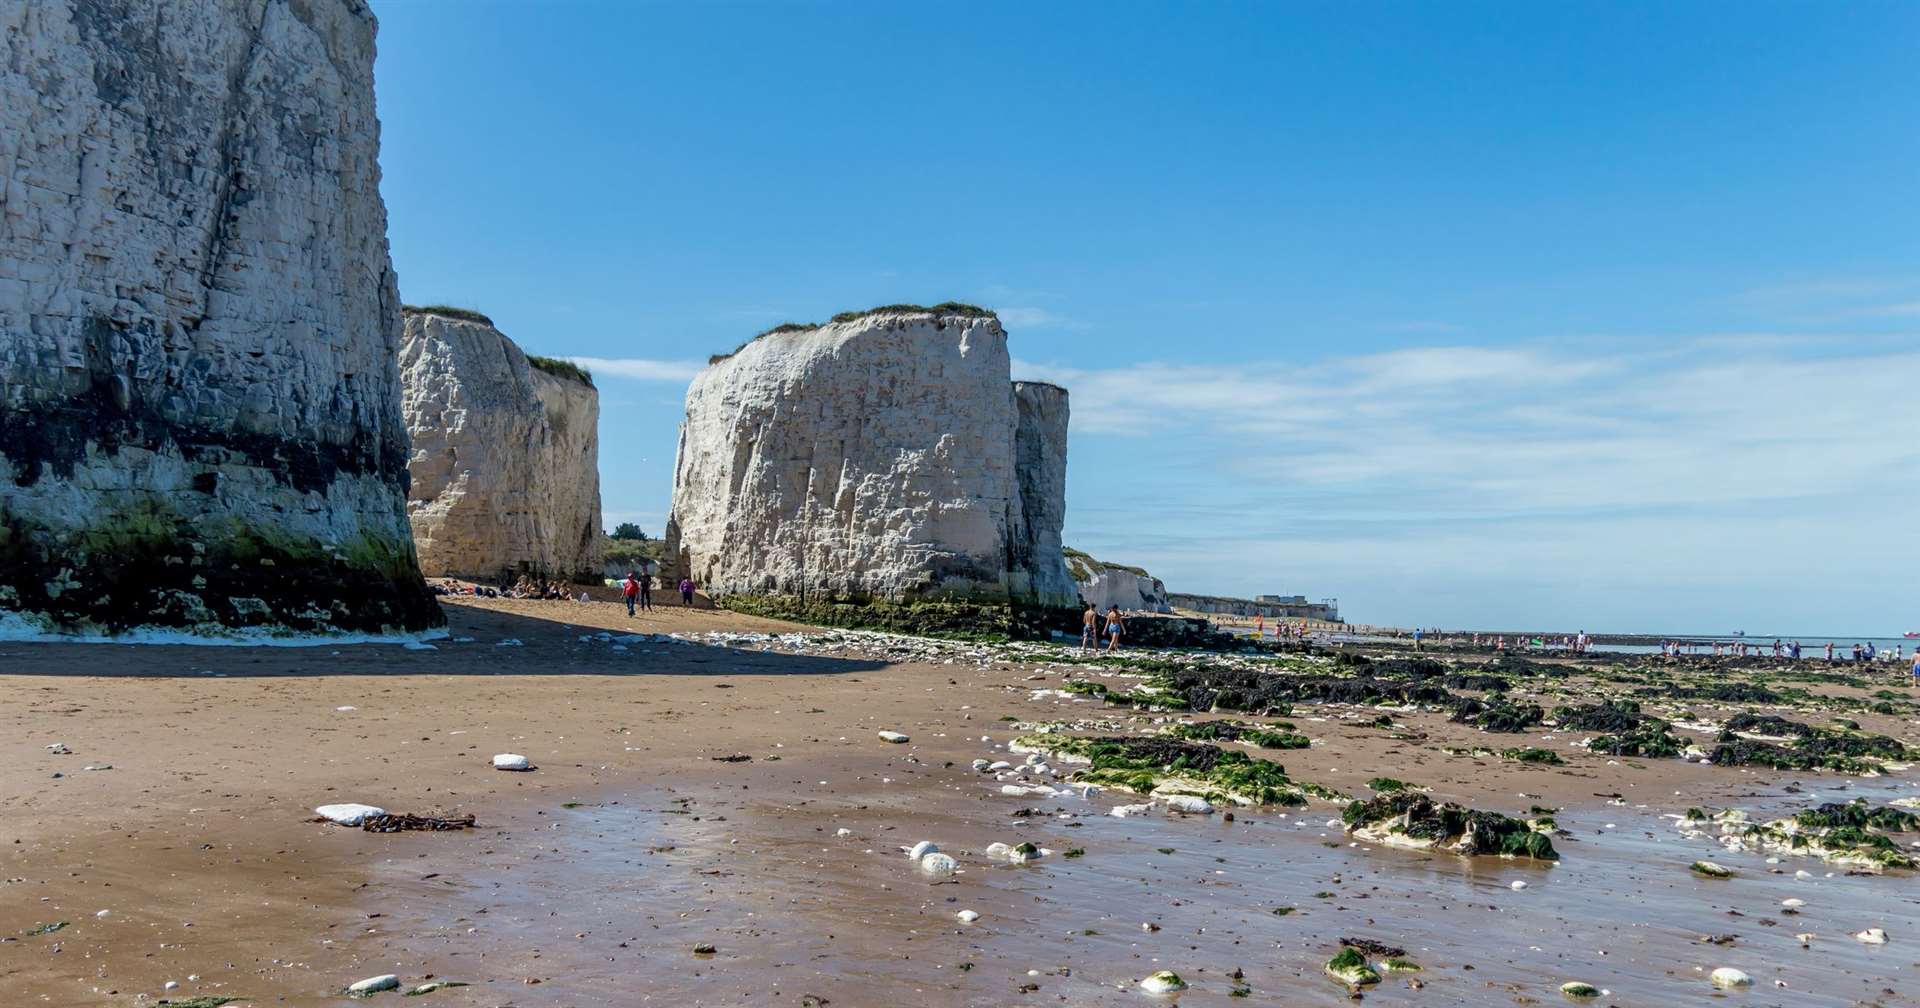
[(543, 638)]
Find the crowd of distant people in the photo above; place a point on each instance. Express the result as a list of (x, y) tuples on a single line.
[(1867, 652), (1580, 643)]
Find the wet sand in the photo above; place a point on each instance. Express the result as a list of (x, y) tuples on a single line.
[(591, 880)]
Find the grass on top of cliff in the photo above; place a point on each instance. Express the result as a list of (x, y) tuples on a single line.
[(943, 308), (463, 314), (562, 369), (1084, 564)]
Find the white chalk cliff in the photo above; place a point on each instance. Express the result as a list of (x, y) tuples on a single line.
[(506, 454), (199, 401), (884, 455), (1106, 584)]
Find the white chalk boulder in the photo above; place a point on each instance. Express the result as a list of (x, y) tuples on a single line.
[(511, 761), (348, 813), (374, 984), (893, 736), (1163, 982), (1727, 976)]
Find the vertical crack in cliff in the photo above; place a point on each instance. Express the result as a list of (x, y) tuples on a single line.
[(232, 127)]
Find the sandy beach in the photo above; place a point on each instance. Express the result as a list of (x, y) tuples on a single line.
[(696, 793)]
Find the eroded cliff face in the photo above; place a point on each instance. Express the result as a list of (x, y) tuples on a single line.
[(506, 456), (1105, 584), (875, 458), (199, 406), (1040, 465)]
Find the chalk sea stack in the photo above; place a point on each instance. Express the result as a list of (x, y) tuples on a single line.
[(878, 463), (199, 396), (506, 453)]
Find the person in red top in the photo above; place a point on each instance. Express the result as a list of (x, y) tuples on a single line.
[(631, 589)]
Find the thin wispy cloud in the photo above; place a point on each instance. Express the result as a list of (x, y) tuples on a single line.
[(640, 368), (1622, 484), (1518, 431)]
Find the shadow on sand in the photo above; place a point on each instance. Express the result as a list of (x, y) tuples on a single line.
[(480, 642)]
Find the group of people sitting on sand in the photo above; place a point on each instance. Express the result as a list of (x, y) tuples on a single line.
[(525, 588)]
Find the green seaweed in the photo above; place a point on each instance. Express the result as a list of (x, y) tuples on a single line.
[(1144, 764), (1350, 967), (1534, 755), (1461, 829)]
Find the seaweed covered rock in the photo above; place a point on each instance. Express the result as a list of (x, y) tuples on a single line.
[(1615, 717), (199, 400), (1651, 740), (1407, 819), (1855, 834), (1349, 967), (1725, 692), (1624, 730), (1163, 765), (878, 456), (1517, 665), (1277, 737), (1817, 748), (1768, 725), (1499, 715), (1261, 692)]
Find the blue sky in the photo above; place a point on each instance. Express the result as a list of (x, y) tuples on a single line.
[(1568, 315)]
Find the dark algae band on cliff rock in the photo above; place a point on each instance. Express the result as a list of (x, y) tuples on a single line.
[(199, 423)]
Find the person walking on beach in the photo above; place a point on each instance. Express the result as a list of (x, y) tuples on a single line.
[(1088, 620), (1114, 625), (646, 591), (686, 591), (1416, 638), (1916, 665), (631, 589)]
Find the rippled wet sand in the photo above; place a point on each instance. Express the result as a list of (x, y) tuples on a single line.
[(605, 913), (645, 834)]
